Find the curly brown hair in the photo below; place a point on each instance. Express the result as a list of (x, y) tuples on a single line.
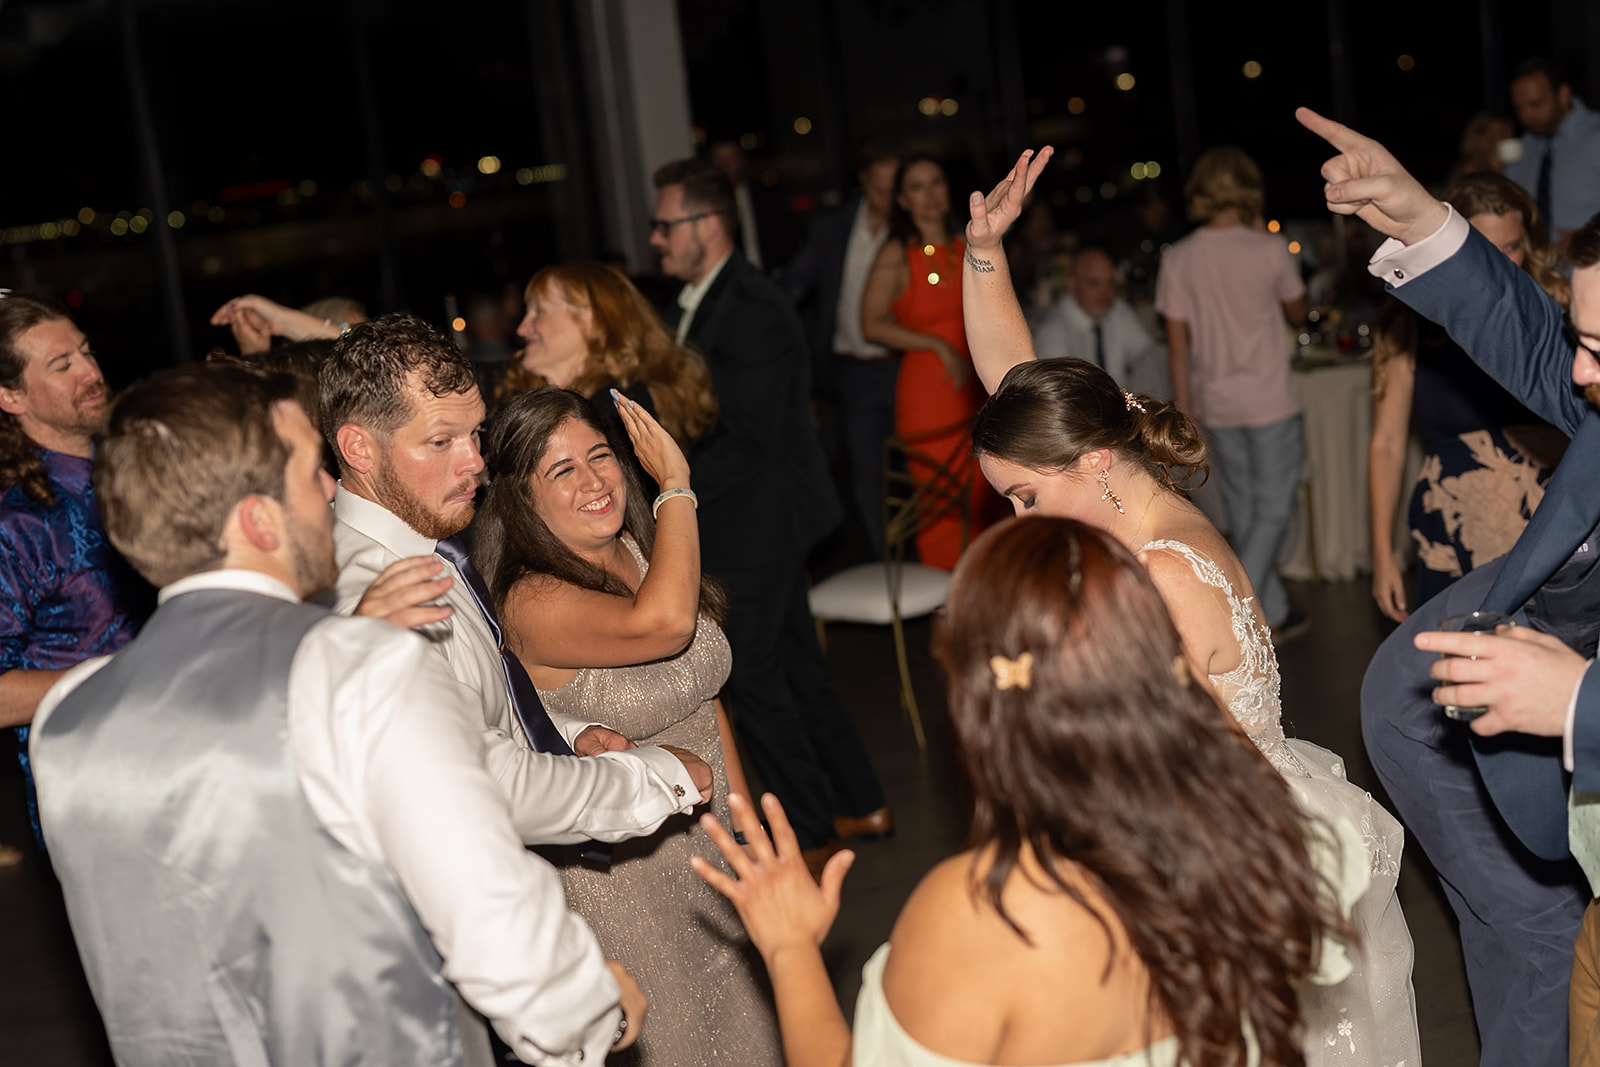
[(365, 378), (1049, 412), (1115, 761), (628, 343), (20, 462)]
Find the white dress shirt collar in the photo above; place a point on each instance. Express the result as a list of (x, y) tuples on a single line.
[(236, 578), (1073, 312), (693, 293), (380, 524)]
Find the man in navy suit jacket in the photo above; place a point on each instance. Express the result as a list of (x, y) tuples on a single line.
[(1488, 804)]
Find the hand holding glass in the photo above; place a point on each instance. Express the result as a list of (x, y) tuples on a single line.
[(1472, 622)]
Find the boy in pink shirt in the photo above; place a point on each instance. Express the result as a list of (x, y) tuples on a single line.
[(1225, 291)]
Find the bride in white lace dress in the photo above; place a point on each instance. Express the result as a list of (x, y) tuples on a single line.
[(1059, 437)]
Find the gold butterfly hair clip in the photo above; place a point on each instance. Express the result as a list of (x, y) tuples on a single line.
[(1012, 673)]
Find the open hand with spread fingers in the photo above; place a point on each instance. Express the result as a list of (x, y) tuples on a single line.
[(782, 907)]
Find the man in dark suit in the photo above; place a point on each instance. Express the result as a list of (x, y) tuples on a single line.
[(765, 499), (1489, 804), (848, 370)]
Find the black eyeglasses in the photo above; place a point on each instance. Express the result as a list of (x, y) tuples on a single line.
[(664, 226), (1575, 340)]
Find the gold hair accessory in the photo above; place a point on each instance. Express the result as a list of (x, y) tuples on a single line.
[(1132, 402), (1107, 494), (1012, 673)]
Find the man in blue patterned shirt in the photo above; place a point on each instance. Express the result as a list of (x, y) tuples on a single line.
[(65, 593)]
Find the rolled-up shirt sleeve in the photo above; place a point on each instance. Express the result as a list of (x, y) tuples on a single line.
[(390, 755)]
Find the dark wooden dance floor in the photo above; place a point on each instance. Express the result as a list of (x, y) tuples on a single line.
[(47, 1018)]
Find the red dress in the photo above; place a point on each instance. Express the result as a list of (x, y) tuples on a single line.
[(931, 414)]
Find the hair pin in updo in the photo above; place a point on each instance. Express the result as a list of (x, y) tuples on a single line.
[(1132, 402), (1012, 673)]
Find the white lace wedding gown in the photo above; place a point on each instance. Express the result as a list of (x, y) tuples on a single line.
[(1369, 1019)]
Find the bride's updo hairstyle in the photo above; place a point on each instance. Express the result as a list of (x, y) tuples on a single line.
[(1049, 412), (1085, 735)]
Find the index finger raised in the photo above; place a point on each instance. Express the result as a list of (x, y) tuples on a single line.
[(1337, 134)]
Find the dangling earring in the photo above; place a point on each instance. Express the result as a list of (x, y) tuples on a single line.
[(1107, 494)]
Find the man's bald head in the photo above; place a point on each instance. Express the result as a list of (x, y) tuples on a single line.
[(1093, 282)]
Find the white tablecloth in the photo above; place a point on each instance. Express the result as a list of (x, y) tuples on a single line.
[(1338, 426)]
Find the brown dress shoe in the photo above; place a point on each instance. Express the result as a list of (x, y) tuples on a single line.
[(817, 858), (874, 826)]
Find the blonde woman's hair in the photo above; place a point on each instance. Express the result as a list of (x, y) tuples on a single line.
[(1224, 177)]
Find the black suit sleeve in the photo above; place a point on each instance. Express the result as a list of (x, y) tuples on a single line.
[(760, 355)]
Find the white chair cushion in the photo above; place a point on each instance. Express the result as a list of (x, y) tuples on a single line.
[(861, 593)]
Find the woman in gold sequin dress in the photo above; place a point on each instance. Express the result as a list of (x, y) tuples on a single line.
[(614, 622)]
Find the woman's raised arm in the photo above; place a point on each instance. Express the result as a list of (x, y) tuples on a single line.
[(997, 333)]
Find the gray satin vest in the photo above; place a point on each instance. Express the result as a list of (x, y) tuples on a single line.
[(218, 922)]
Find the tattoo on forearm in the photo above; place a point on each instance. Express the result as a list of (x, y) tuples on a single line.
[(982, 266)]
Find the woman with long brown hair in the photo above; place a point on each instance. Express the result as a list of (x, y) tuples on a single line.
[(1059, 437), (612, 618), (1108, 910), (1486, 456)]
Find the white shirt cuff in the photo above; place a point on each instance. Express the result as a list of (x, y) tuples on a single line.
[(671, 769), (1567, 759), (1397, 264), (569, 726)]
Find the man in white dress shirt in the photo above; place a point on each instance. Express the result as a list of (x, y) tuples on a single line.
[(1092, 322), (401, 407), (273, 825)]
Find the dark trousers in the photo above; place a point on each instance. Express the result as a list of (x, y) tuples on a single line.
[(865, 390), (1519, 914), (789, 715)]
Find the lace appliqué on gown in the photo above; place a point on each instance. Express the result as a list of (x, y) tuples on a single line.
[(1369, 1018)]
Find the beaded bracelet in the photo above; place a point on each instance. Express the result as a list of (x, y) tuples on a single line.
[(655, 509)]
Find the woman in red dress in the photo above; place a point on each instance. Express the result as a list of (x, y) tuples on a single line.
[(913, 303)]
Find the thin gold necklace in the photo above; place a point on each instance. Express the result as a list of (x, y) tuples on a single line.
[(1145, 514)]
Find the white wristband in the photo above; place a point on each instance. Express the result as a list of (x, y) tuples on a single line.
[(655, 509)]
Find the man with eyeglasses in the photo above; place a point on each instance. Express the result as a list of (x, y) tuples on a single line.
[(765, 499), (1489, 802)]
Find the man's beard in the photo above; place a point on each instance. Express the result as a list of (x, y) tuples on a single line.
[(409, 508), (89, 421), (311, 554), (1591, 393)]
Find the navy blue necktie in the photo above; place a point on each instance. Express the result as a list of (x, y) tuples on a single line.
[(1099, 344), (525, 703)]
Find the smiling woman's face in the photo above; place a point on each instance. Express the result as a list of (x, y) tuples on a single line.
[(577, 487)]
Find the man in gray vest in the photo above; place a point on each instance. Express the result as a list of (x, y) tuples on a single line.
[(273, 825)]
